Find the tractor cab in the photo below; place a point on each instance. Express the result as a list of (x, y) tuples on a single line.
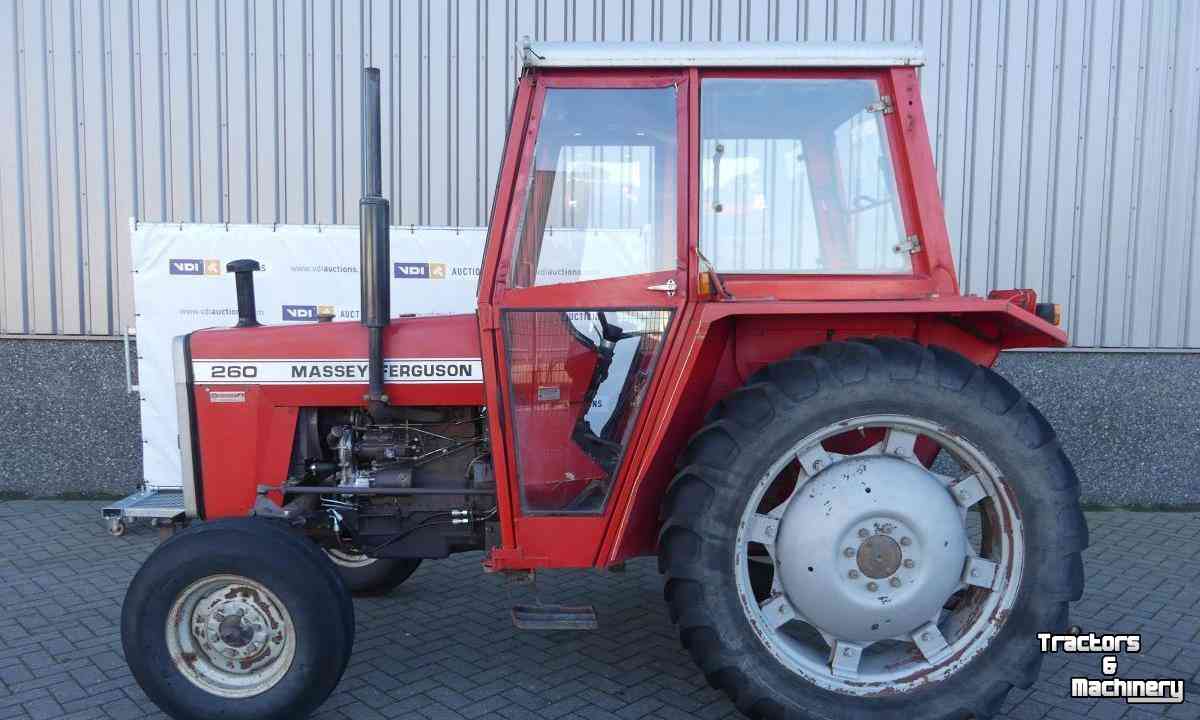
[(718, 322), (792, 177), (655, 192)]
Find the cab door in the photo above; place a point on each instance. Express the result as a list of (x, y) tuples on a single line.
[(590, 286)]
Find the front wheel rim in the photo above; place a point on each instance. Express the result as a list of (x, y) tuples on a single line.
[(879, 593), (349, 559), (231, 636)]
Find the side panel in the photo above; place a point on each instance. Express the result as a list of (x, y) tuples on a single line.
[(250, 383)]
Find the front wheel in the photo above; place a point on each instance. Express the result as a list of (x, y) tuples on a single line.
[(817, 567), (239, 619)]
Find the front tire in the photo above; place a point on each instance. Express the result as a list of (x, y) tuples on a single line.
[(239, 619), (885, 598)]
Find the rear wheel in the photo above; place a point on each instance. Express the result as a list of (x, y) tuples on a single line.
[(237, 619), (371, 576), (818, 568)]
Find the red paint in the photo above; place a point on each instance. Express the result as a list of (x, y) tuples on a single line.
[(713, 343), (243, 445)]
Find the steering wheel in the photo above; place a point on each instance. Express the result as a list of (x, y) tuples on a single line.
[(611, 333)]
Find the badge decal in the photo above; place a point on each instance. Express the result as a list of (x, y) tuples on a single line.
[(346, 371)]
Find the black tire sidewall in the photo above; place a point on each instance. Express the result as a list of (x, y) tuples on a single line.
[(323, 640)]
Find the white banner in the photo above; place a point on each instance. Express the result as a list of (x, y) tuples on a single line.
[(180, 285)]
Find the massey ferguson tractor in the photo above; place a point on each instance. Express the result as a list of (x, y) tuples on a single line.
[(718, 322)]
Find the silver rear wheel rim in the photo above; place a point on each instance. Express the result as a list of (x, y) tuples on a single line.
[(847, 649), (230, 636)]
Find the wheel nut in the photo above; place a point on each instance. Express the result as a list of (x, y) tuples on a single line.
[(872, 587), (848, 552), (909, 564), (894, 582), (906, 541), (853, 574), (924, 637), (862, 532)]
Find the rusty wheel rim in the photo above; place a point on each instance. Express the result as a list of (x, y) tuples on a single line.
[(230, 636), (937, 551)]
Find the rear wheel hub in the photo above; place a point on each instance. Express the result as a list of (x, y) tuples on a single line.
[(844, 540), (879, 556)]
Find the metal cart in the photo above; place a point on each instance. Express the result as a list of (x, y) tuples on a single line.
[(160, 506)]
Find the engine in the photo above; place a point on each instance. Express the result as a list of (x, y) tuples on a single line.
[(405, 482)]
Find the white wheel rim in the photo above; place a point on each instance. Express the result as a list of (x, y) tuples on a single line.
[(820, 618), (346, 559), (230, 636)]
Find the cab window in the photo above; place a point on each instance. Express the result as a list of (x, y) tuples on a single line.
[(601, 201), (797, 177)]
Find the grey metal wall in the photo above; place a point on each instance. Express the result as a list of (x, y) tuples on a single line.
[(1066, 132)]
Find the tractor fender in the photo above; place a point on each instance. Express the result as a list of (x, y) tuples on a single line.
[(726, 342), (976, 327)]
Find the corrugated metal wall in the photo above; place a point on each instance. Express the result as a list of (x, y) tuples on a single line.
[(1066, 132)]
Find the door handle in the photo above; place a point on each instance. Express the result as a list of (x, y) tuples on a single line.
[(669, 287)]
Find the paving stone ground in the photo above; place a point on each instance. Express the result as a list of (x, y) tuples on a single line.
[(442, 645)]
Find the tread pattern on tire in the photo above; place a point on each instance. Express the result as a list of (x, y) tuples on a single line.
[(307, 563), (689, 544)]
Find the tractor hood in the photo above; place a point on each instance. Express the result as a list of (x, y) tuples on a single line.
[(432, 360)]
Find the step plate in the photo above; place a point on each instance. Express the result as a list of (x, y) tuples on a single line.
[(555, 617)]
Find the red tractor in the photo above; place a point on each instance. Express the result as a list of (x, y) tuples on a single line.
[(718, 322)]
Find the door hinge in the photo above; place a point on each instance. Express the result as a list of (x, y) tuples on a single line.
[(487, 316), (669, 287), (884, 105), (910, 245)]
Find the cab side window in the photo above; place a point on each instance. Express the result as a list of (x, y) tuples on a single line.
[(797, 177), (601, 201)]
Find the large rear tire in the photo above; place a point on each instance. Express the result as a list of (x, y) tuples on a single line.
[(895, 590), (239, 619), (371, 576)]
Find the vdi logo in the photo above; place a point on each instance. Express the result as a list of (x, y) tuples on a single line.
[(299, 313), (187, 266), (419, 271), (195, 266), (410, 270)]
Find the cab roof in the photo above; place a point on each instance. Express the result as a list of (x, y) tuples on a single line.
[(720, 54)]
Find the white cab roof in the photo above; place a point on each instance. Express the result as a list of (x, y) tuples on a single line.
[(723, 54)]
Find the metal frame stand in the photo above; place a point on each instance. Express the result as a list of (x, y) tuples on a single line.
[(161, 506)]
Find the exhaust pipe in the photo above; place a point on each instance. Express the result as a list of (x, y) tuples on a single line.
[(243, 275), (373, 223)]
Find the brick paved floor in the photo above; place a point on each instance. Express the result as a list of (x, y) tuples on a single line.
[(441, 646)]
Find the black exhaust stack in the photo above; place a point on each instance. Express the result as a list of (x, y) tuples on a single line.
[(243, 274), (374, 221)]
